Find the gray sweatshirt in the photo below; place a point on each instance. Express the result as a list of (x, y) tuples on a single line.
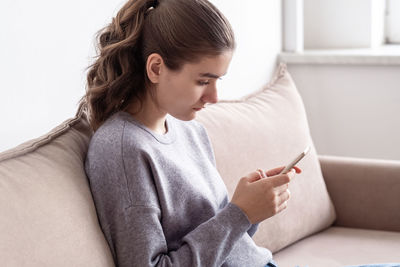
[(161, 201)]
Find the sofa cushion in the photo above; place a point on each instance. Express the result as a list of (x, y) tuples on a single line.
[(264, 130), (47, 214), (340, 246)]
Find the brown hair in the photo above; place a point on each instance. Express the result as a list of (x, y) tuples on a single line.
[(180, 31)]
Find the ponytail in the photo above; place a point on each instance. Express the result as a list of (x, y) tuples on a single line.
[(179, 30)]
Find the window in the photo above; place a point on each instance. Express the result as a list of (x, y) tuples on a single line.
[(340, 24), (393, 22)]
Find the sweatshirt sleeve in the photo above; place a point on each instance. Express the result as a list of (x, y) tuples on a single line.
[(138, 239), (253, 229)]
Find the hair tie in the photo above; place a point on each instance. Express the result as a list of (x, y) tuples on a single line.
[(152, 6)]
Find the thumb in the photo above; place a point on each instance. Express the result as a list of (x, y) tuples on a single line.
[(253, 176), (278, 170), (275, 171)]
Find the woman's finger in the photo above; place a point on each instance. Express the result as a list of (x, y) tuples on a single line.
[(285, 193), (262, 173), (254, 176), (297, 169), (283, 202), (276, 171), (283, 206), (281, 189), (284, 198)]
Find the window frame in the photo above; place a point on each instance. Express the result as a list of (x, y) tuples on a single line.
[(392, 22)]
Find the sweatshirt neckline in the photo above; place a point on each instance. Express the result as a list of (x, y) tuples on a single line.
[(167, 138)]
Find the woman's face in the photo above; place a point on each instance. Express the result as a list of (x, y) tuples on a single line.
[(183, 93)]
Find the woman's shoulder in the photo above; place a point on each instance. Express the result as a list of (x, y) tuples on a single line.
[(190, 127), (109, 132), (195, 130), (200, 129), (110, 135)]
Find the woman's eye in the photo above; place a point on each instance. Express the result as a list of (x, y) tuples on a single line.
[(203, 83)]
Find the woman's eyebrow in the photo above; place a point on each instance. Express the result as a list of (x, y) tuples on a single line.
[(210, 75)]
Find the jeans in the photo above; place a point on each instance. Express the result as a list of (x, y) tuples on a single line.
[(273, 264), (377, 265)]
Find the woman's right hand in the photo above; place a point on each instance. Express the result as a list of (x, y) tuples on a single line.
[(261, 198)]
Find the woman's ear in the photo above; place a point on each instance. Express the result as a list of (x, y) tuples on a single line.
[(154, 65)]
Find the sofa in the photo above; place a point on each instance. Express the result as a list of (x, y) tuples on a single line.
[(342, 211)]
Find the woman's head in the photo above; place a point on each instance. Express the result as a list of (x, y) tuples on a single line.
[(182, 93), (180, 32)]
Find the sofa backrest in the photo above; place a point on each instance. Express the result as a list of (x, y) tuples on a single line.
[(47, 215), (265, 130)]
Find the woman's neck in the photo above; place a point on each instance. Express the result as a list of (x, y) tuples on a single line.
[(150, 115)]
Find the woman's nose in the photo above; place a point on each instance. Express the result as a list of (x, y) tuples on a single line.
[(211, 95)]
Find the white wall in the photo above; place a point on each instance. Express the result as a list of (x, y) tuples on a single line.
[(46, 46), (353, 110), (258, 29)]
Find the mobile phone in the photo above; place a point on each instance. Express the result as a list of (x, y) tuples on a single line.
[(295, 161)]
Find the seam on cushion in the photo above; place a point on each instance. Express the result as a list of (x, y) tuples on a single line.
[(45, 139), (123, 161), (280, 72)]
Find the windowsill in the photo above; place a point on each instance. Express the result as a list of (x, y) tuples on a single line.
[(384, 55)]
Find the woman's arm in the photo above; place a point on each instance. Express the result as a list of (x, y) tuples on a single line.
[(138, 239)]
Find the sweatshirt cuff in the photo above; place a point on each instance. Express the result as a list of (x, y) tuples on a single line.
[(237, 217)]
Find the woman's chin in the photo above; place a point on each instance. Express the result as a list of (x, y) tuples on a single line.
[(185, 117)]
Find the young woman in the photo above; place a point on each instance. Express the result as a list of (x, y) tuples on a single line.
[(152, 172)]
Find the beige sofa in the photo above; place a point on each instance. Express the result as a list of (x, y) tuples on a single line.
[(343, 211)]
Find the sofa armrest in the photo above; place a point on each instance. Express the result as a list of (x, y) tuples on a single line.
[(365, 192)]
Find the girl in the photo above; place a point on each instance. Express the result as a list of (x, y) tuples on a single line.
[(151, 168)]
